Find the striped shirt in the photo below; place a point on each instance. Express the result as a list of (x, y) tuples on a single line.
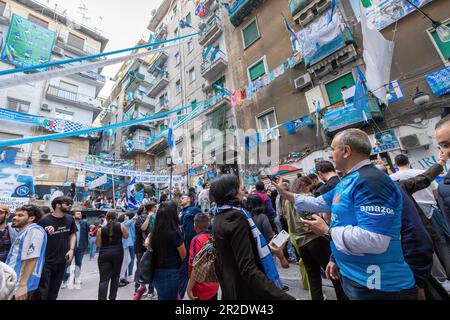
[(29, 244)]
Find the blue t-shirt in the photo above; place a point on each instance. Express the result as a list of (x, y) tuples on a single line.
[(29, 244), (369, 199), (129, 242)]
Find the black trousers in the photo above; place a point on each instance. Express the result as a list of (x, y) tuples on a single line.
[(151, 289), (316, 255), (51, 279), (109, 265)]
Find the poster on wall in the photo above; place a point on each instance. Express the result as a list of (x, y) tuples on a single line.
[(439, 81), (16, 181), (384, 141), (27, 44), (383, 13)]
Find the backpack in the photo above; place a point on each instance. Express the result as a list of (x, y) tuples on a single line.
[(203, 269)]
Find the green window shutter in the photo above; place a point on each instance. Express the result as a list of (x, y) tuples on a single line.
[(334, 87), (219, 83), (257, 70), (366, 3), (444, 47), (251, 34), (163, 127)]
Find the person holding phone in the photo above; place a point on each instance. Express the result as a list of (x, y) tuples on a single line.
[(61, 243)]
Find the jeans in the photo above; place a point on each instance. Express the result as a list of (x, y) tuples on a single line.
[(355, 291), (183, 277), (131, 265), (316, 256), (166, 282), (78, 258), (109, 264), (93, 249), (51, 279)]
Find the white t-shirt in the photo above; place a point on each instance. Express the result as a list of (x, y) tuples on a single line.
[(424, 196)]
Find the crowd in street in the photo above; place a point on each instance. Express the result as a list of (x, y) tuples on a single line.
[(375, 233)]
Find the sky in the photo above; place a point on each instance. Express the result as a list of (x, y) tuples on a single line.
[(123, 22)]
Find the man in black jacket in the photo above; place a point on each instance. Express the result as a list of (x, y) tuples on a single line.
[(327, 173)]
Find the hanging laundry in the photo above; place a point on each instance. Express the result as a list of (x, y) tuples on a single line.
[(234, 100), (290, 127), (265, 80), (243, 95), (271, 76)]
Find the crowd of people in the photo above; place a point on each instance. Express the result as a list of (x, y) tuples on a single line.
[(375, 233)]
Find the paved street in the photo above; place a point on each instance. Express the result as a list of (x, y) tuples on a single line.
[(90, 279)]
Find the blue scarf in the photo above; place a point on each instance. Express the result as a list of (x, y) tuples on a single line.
[(265, 255)]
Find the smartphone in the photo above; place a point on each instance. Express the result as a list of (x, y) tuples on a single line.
[(272, 177), (281, 238)]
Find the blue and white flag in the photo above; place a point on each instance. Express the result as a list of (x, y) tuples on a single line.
[(184, 24), (131, 195), (210, 53), (294, 37), (226, 5), (331, 12)]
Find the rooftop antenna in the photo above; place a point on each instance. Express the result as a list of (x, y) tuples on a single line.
[(83, 9)]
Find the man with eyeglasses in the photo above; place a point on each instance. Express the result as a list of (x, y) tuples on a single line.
[(61, 242)]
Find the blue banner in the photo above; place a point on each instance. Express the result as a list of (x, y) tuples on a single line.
[(439, 81)]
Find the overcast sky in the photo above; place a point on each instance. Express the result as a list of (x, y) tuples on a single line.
[(123, 22)]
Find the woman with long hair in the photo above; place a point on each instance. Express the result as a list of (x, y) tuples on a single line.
[(169, 251), (109, 240), (244, 264), (257, 209)]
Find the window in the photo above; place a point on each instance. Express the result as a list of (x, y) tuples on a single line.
[(163, 100), (192, 75), (194, 105), (257, 70), (265, 121), (38, 21), (75, 41), (174, 10), (175, 32), (250, 33), (178, 87), (334, 88), (218, 85), (190, 46), (64, 115), (188, 18), (18, 105), (58, 149), (443, 47), (177, 59), (68, 86)]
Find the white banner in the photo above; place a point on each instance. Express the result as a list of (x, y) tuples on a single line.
[(99, 182), (14, 203), (143, 177)]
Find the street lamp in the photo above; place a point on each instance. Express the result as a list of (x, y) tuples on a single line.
[(420, 98), (441, 29), (169, 163)]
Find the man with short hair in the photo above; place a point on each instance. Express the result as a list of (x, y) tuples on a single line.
[(366, 208), (80, 249), (61, 243), (7, 233), (27, 253), (327, 173)]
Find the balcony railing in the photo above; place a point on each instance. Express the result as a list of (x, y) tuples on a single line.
[(241, 9), (348, 116), (74, 98), (87, 50), (210, 31), (158, 84), (159, 62), (161, 33), (295, 6), (321, 52), (136, 79), (211, 69)]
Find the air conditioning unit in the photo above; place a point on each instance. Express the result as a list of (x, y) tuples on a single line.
[(302, 81), (413, 138), (46, 107), (44, 157), (323, 5), (306, 18), (58, 50)]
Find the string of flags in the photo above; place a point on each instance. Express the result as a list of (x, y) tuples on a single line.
[(247, 93)]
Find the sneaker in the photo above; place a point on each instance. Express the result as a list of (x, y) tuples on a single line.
[(64, 285), (152, 296), (139, 293), (285, 288), (78, 281)]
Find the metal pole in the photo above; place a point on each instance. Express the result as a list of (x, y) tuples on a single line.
[(114, 192), (421, 11), (170, 184)]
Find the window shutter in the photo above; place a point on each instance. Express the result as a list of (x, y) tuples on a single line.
[(257, 70), (444, 47), (334, 87), (250, 34)]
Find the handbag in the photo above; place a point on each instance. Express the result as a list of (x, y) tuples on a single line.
[(203, 269), (146, 267)]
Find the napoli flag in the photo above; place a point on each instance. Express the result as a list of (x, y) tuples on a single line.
[(131, 196)]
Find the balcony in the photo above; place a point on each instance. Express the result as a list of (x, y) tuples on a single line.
[(305, 11), (137, 147), (332, 50), (242, 9), (161, 32), (162, 107), (211, 70), (87, 50), (67, 97), (348, 116), (158, 84), (210, 31), (158, 63), (90, 77), (136, 79)]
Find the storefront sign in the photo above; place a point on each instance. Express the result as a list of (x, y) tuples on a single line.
[(439, 81), (384, 141)]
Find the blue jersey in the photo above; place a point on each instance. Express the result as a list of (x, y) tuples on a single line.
[(369, 199), (29, 244)]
